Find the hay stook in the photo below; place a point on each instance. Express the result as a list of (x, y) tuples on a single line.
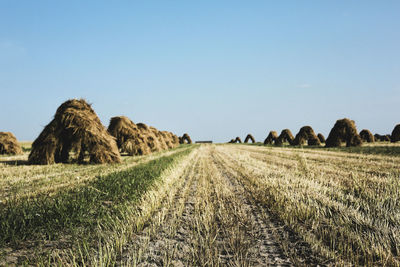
[(9, 144), (129, 137), (249, 137), (306, 134), (285, 136), (366, 136), (185, 139), (395, 136), (271, 138), (344, 130), (75, 127)]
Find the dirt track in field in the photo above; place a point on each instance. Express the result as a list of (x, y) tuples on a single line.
[(214, 220)]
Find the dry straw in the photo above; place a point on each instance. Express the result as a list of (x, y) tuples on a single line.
[(306, 134), (367, 136), (344, 130), (77, 128), (271, 138), (249, 137), (9, 144), (285, 136)]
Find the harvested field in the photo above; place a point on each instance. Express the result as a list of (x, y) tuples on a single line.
[(206, 205)]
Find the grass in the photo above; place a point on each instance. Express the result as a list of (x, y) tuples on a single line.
[(78, 212)]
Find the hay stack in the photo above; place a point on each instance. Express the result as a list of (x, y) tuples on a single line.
[(186, 139), (285, 136), (9, 144), (306, 134), (271, 138), (367, 136), (249, 137), (238, 140), (344, 130), (321, 137), (75, 127), (130, 139), (231, 141), (395, 134)]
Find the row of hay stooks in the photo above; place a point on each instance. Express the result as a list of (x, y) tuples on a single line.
[(344, 131), (76, 134)]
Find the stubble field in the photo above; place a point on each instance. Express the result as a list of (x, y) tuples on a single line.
[(207, 205)]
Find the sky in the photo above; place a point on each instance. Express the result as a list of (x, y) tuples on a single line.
[(214, 69)]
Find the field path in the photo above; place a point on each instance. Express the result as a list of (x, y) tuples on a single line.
[(211, 220)]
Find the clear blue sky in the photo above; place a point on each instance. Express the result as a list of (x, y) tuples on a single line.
[(214, 69)]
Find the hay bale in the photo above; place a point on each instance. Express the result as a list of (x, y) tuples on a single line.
[(186, 139), (285, 136), (9, 144), (344, 130), (249, 137), (367, 136), (271, 138), (306, 134), (321, 137), (75, 127), (395, 136)]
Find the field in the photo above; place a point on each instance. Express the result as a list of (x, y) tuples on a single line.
[(206, 205)]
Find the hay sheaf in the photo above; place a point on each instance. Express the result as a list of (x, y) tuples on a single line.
[(271, 138), (395, 136), (186, 139), (285, 136), (367, 136), (9, 144), (249, 137), (321, 137), (75, 127), (306, 134), (344, 130)]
